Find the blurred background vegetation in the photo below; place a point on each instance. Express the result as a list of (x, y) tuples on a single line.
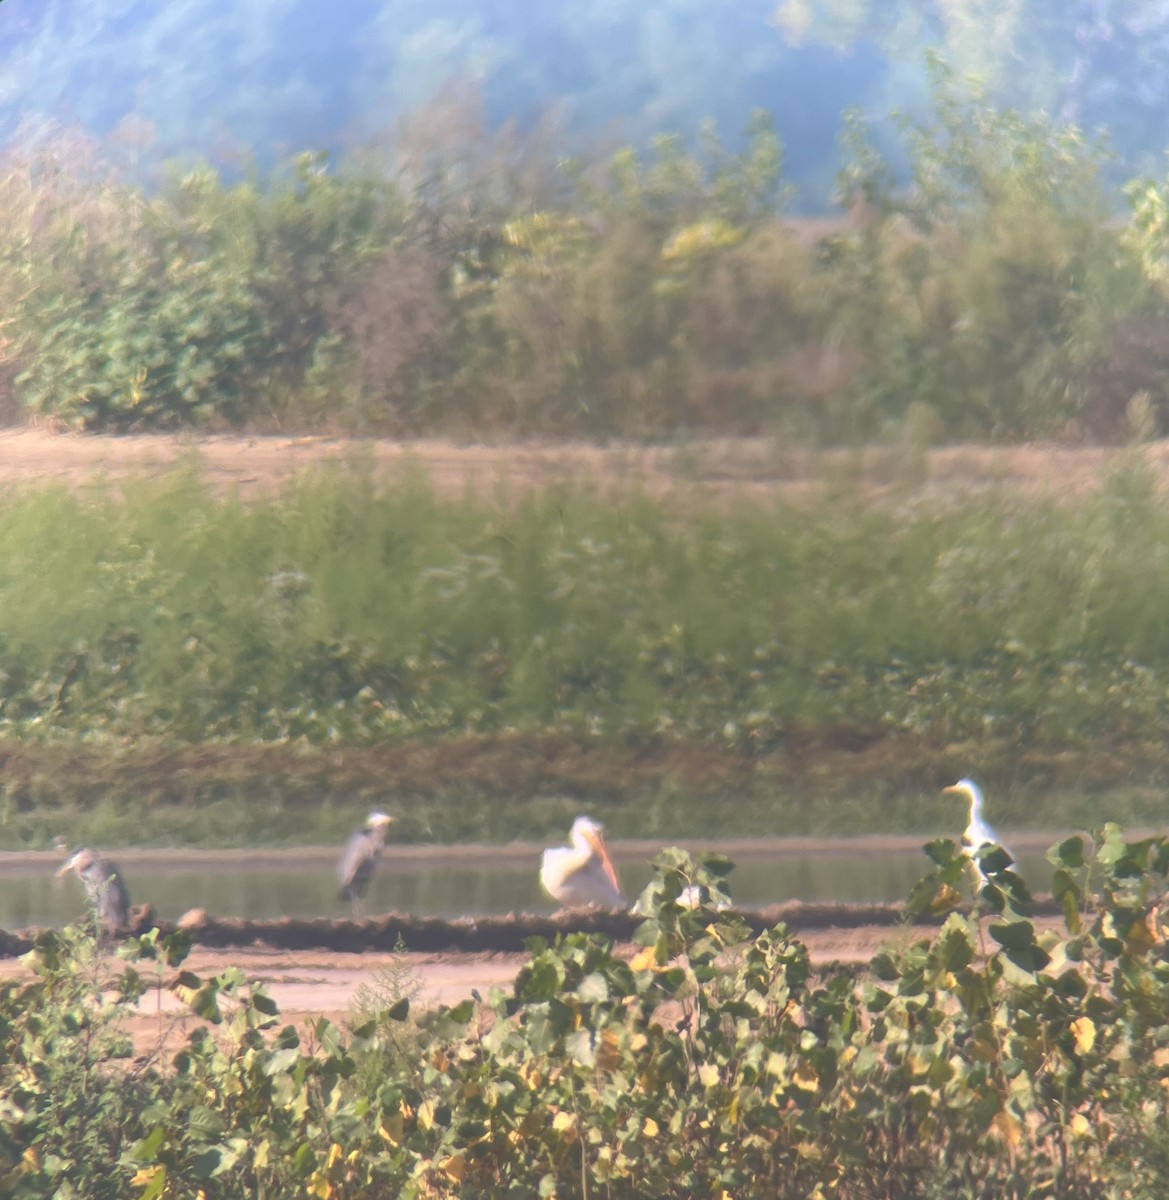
[(303, 224), (485, 250)]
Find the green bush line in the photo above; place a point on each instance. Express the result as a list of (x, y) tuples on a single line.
[(993, 1058), (778, 646), (647, 296)]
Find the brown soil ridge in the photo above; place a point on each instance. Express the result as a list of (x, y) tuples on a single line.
[(507, 934), (763, 467)]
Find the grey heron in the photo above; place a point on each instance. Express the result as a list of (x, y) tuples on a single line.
[(362, 851), (582, 874), (104, 886)]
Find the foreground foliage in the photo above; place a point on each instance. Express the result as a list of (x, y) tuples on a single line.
[(990, 1060)]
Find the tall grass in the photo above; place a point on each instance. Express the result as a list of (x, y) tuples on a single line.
[(349, 611)]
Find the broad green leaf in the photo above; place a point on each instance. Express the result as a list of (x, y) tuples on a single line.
[(942, 851), (206, 1162), (264, 1003), (1068, 854), (594, 988), (579, 1045), (1014, 935), (281, 1061), (147, 1148)]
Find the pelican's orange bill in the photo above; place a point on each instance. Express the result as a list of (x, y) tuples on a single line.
[(599, 846)]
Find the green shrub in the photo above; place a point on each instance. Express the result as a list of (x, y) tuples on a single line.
[(486, 286), (193, 307), (987, 288)]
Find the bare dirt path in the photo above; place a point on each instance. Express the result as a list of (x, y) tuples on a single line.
[(251, 465)]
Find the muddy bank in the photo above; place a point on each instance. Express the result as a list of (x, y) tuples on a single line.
[(472, 935)]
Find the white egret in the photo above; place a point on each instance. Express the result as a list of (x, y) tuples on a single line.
[(582, 874), (978, 832)]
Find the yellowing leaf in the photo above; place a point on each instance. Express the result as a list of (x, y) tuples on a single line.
[(805, 1078), (650, 1128), (608, 1052), (982, 1049), (563, 1121), (701, 236), (391, 1129), (1084, 1031), (1080, 1126), (644, 960), (151, 1179), (454, 1167), (945, 899), (1141, 936), (1007, 1127), (708, 1075)]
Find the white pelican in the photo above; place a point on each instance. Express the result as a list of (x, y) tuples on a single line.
[(978, 832), (582, 874)]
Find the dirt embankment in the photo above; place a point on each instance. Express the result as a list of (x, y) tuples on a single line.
[(757, 467)]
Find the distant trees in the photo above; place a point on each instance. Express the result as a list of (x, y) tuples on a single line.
[(258, 81), (1099, 64), (474, 280)]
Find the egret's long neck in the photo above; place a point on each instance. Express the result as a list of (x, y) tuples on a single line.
[(975, 805)]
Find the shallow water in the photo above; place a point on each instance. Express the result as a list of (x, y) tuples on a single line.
[(443, 887)]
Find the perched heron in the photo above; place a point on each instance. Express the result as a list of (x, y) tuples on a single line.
[(104, 886), (978, 833), (582, 874), (362, 851)]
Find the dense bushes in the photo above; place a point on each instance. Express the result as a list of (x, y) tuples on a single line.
[(490, 289), (198, 306), (992, 1059)]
